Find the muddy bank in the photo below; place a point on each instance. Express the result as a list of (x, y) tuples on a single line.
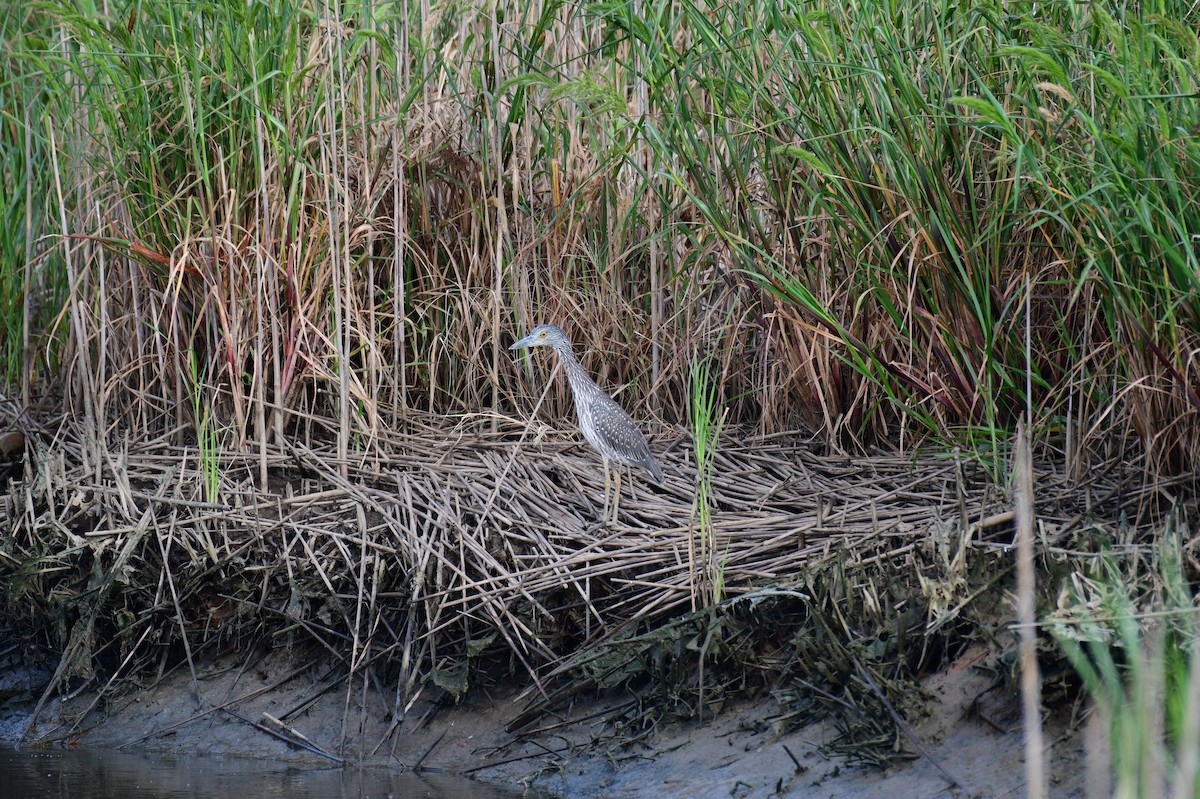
[(284, 708)]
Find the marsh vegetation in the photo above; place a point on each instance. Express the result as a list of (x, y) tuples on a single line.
[(261, 263)]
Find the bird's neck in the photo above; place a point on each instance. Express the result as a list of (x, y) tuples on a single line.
[(563, 348), (581, 384)]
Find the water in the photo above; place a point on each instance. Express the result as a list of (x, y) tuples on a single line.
[(84, 774)]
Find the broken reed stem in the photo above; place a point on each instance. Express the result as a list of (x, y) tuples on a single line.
[(1035, 770)]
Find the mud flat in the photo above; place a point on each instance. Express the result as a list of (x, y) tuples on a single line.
[(971, 735)]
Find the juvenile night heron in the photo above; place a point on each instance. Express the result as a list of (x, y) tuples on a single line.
[(606, 427)]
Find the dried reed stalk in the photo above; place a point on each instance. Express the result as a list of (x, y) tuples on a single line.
[(1031, 688)]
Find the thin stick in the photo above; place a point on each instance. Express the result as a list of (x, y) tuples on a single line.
[(293, 736), (1035, 769), (908, 731)]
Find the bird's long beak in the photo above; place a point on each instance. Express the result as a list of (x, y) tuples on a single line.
[(522, 344)]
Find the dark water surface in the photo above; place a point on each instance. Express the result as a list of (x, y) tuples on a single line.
[(84, 774)]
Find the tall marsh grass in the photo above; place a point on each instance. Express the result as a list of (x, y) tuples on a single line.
[(346, 209)]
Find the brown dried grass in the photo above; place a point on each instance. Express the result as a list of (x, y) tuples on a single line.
[(458, 548)]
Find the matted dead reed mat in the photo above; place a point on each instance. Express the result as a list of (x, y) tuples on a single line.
[(451, 547)]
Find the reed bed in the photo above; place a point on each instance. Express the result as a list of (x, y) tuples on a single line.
[(468, 548), (262, 212)]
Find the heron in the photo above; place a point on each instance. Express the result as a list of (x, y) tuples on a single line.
[(604, 424)]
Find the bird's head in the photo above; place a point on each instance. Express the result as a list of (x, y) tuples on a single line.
[(542, 336)]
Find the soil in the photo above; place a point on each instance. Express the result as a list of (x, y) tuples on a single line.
[(971, 736)]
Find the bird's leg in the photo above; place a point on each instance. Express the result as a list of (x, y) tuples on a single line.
[(617, 494), (607, 484)]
